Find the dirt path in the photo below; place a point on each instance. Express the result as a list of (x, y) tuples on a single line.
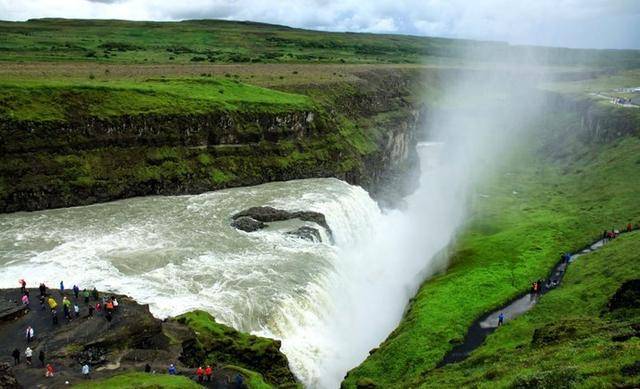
[(488, 323)]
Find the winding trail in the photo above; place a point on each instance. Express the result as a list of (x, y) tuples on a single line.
[(488, 323)]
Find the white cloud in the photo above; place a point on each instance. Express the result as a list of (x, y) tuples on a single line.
[(574, 23)]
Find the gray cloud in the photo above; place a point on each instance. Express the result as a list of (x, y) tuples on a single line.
[(572, 23)]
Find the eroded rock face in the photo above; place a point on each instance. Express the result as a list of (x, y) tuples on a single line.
[(627, 296), (270, 214)]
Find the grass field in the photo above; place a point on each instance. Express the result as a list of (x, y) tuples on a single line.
[(140, 381), (218, 41), (570, 339), (557, 199)]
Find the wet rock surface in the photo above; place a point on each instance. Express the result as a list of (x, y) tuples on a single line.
[(270, 214), (247, 224), (306, 233)]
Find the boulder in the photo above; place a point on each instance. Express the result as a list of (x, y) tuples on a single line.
[(7, 379), (307, 233), (247, 224), (270, 214)]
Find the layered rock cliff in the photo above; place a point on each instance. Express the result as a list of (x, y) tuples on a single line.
[(361, 131)]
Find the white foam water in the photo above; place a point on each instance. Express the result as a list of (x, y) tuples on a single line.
[(328, 303)]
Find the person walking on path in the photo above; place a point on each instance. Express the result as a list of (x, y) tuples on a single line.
[(85, 371), (61, 287), (208, 372), (239, 381), (76, 310), (76, 291), (200, 374), (85, 294), (43, 289), (28, 334), (41, 358), (50, 371), (16, 356), (90, 311), (23, 285), (53, 304), (42, 302), (28, 353), (500, 319), (115, 303)]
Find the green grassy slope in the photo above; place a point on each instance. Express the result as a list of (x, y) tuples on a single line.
[(141, 381), (29, 100), (569, 339), (559, 198)]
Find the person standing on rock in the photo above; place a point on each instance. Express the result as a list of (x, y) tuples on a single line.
[(109, 306), (53, 304), (76, 291), (61, 287), (76, 310), (49, 372), (43, 289), (85, 294), (41, 358), (500, 319), (29, 334), (115, 303), (23, 285), (200, 374), (147, 368), (25, 300), (95, 294), (28, 353), (16, 356), (66, 307), (90, 310), (172, 369), (85, 371), (208, 372)]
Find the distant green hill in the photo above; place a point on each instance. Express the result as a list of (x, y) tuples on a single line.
[(220, 41)]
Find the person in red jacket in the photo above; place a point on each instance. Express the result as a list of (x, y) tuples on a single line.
[(49, 372), (208, 372), (199, 373)]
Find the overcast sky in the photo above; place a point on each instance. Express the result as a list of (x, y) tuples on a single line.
[(569, 23)]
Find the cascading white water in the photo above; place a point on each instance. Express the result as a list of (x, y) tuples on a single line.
[(329, 304)]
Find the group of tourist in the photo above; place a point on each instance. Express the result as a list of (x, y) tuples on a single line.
[(537, 286), (108, 306), (607, 235)]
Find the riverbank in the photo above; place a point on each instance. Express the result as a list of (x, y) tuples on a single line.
[(552, 199), (128, 342), (578, 335)]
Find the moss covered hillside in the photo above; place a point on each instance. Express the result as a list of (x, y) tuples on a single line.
[(580, 178)]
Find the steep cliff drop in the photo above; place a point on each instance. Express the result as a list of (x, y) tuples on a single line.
[(330, 303)]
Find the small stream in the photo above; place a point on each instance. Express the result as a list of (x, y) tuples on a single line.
[(488, 323)]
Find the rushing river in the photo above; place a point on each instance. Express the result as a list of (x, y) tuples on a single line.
[(329, 303)]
